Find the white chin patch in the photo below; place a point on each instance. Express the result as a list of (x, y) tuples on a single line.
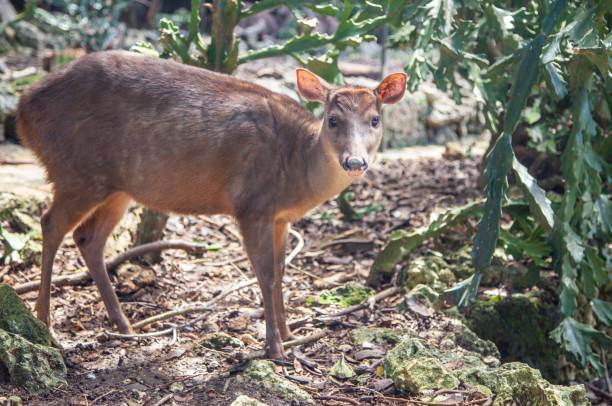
[(355, 173)]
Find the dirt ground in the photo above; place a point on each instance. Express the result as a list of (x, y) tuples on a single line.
[(396, 193)]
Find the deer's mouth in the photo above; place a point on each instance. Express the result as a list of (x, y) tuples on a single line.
[(355, 173)]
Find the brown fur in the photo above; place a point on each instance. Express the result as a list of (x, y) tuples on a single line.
[(115, 126)]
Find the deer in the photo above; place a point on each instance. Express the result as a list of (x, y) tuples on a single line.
[(115, 126)]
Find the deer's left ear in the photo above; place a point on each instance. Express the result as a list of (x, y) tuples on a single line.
[(391, 90)]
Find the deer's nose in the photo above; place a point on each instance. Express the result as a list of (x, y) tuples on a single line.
[(354, 163), (355, 166)]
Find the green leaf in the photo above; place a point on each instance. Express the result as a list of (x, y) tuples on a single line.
[(326, 9), (465, 291), (555, 79), (341, 369), (603, 311), (144, 48), (538, 202), (577, 337), (523, 82), (16, 241), (402, 243), (499, 163)]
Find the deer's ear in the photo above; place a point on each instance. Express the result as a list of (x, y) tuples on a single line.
[(311, 87), (391, 90)]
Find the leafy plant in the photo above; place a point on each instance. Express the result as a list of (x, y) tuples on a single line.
[(14, 243), (543, 67), (91, 24), (357, 22)]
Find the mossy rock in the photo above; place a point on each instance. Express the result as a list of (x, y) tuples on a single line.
[(426, 270), (519, 326), (470, 341), (460, 262), (217, 341), (374, 335), (35, 367), (16, 318), (423, 373), (261, 373), (348, 294), (425, 295), (518, 384)]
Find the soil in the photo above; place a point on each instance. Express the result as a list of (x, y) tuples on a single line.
[(402, 190)]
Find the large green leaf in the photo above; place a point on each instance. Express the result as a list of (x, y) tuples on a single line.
[(603, 311), (577, 337), (539, 203), (499, 163), (402, 243), (523, 82)]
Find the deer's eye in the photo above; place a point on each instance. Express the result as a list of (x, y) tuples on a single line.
[(333, 121), (375, 121)]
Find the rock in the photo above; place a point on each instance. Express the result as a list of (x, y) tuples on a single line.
[(417, 375), (217, 341), (519, 326), (424, 294), (517, 382), (35, 367), (374, 335), (177, 387), (244, 400), (346, 295), (430, 270), (11, 401), (261, 373), (27, 34), (132, 277), (15, 318)]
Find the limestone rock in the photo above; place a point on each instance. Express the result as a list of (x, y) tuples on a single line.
[(217, 341), (374, 335), (15, 318), (261, 373), (244, 400), (33, 366)]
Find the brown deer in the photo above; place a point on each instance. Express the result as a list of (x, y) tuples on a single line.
[(115, 126)]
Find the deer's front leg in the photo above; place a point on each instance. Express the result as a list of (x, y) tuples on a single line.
[(280, 244), (258, 238)]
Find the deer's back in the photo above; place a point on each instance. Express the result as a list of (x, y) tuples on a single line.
[(153, 128)]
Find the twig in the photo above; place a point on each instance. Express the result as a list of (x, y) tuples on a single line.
[(163, 400), (600, 392), (376, 298), (338, 398), (304, 340), (104, 395), (4, 272), (111, 264), (194, 309), (297, 248), (155, 246), (135, 336), (226, 262), (604, 362)]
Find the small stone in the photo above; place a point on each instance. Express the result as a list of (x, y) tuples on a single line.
[(345, 347), (177, 387), (244, 400), (217, 341)]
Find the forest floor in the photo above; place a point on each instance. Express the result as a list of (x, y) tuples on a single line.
[(401, 191)]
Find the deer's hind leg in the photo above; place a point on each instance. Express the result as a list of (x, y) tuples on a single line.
[(90, 236)]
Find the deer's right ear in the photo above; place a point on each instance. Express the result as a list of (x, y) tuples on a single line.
[(311, 87)]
